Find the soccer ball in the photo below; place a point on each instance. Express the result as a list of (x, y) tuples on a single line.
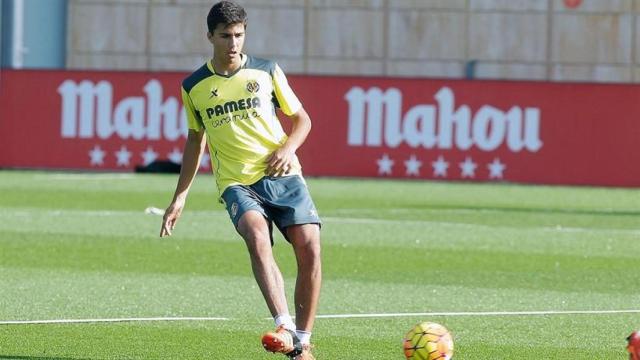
[(428, 341), (634, 345)]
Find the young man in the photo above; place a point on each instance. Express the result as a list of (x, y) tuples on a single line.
[(230, 103)]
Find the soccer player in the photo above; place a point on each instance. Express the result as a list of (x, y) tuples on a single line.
[(230, 104)]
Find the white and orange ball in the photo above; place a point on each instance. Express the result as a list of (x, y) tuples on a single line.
[(428, 341)]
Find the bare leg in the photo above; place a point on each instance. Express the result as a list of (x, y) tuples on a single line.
[(254, 229), (306, 245)]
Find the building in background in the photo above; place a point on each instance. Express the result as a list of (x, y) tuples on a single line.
[(33, 33), (557, 40)]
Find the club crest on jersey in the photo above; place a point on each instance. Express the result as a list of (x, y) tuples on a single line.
[(253, 86)]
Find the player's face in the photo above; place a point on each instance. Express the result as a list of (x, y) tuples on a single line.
[(227, 42)]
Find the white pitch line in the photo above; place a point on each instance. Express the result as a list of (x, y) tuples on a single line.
[(114, 320), (482, 313), (333, 316)]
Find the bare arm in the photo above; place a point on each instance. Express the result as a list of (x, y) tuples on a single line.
[(279, 161), (193, 149)]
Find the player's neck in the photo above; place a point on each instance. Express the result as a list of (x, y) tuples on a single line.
[(226, 67)]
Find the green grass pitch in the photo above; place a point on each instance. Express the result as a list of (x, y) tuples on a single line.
[(80, 246)]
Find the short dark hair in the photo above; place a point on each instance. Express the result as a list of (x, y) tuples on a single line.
[(226, 12)]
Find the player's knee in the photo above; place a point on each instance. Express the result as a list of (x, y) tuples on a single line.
[(309, 248), (313, 248), (258, 244), (309, 259)]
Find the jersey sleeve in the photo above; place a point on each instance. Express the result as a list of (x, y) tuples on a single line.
[(193, 118), (288, 101)]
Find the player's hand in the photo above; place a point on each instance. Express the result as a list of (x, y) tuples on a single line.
[(279, 162), (171, 216)]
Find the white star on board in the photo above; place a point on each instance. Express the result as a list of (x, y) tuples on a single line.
[(468, 168), (413, 166), (123, 156), (205, 161), (496, 169), (384, 165), (440, 167), (175, 156), (96, 155), (149, 156)]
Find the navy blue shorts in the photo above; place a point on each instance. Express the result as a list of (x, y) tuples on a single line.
[(284, 201)]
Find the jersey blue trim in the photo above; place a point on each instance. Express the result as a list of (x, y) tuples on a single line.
[(268, 66), (197, 76)]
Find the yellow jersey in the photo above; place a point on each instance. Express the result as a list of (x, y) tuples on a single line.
[(238, 113)]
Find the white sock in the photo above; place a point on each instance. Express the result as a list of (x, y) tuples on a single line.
[(304, 336), (285, 319)]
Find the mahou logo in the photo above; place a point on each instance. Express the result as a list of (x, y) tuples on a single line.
[(376, 119), (88, 112)]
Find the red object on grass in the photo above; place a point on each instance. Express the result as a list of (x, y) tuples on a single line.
[(634, 346)]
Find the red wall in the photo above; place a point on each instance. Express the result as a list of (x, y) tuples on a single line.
[(528, 132)]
